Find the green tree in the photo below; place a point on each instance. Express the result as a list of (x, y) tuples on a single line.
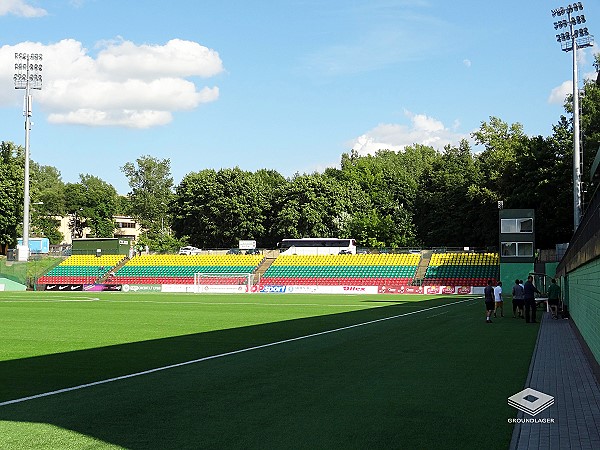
[(123, 206), (151, 192), (316, 205), (497, 161), (453, 207), (542, 180), (590, 131), (391, 181), (94, 201), (216, 209), (162, 242), (47, 202), (269, 183), (11, 193)]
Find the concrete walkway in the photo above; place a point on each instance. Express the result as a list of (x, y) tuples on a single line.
[(560, 369)]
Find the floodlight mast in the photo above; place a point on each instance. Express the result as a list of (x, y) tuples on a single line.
[(28, 75), (571, 41)]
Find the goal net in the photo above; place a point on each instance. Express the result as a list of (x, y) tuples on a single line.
[(223, 282)]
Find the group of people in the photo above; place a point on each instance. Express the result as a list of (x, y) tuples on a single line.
[(523, 300)]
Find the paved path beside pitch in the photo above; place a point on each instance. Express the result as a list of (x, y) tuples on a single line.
[(559, 368)]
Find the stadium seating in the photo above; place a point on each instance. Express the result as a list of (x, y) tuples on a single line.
[(180, 269), (332, 270), (81, 269), (446, 269), (461, 269)]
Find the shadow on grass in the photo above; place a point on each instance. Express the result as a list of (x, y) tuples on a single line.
[(390, 385)]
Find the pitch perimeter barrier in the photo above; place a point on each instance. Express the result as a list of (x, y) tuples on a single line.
[(268, 289)]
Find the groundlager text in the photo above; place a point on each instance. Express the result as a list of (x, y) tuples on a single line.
[(540, 420)]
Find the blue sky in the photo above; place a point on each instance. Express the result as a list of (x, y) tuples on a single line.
[(284, 85)]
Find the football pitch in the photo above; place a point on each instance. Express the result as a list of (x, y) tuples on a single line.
[(176, 371)]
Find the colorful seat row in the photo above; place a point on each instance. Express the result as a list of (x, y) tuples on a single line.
[(81, 269), (339, 281), (468, 269), (406, 259), (180, 269), (362, 269), (196, 260)]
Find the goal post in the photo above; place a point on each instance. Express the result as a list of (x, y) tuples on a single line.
[(223, 282)]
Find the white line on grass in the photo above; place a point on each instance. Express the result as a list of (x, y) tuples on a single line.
[(435, 315), (174, 302), (49, 300), (221, 355)]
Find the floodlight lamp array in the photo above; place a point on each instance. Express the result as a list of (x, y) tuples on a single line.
[(572, 37), (28, 70), (567, 10), (563, 37), (577, 20)]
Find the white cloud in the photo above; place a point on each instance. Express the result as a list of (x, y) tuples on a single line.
[(467, 62), (423, 130), (559, 93), (127, 85), (176, 58), (20, 8)]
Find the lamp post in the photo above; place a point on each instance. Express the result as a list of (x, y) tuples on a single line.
[(28, 75), (572, 39), (35, 204)]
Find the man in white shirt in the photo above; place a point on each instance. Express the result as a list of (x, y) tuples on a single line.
[(499, 304)]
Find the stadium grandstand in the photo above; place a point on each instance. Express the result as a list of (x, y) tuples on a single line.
[(372, 269), (180, 269), (361, 269), (462, 269), (81, 269)]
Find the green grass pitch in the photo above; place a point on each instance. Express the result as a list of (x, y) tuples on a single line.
[(432, 376)]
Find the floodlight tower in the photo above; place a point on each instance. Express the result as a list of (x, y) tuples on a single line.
[(570, 40), (28, 75)]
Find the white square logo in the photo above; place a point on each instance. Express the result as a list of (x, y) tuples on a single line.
[(531, 401)]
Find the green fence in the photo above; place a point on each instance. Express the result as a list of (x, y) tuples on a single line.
[(27, 272)]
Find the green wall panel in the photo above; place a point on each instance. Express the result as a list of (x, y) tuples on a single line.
[(509, 272), (584, 303)]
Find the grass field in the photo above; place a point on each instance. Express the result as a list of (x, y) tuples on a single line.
[(319, 371)]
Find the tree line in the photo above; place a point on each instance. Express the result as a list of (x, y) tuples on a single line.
[(415, 197)]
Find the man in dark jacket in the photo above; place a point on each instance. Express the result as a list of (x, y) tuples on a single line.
[(529, 291), (489, 301), (554, 298), (517, 300)]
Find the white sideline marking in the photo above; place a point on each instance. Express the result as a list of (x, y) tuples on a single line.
[(49, 300), (234, 352), (173, 302), (436, 315)]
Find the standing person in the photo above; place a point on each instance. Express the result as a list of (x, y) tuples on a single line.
[(554, 298), (498, 302), (529, 291), (489, 301), (522, 301), (517, 298)]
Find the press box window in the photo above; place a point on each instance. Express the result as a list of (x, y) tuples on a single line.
[(516, 225), (523, 249)]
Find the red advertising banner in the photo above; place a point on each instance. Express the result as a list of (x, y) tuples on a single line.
[(400, 290), (429, 290)]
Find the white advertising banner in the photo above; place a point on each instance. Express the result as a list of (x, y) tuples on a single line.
[(221, 288), (319, 289), (178, 288)]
